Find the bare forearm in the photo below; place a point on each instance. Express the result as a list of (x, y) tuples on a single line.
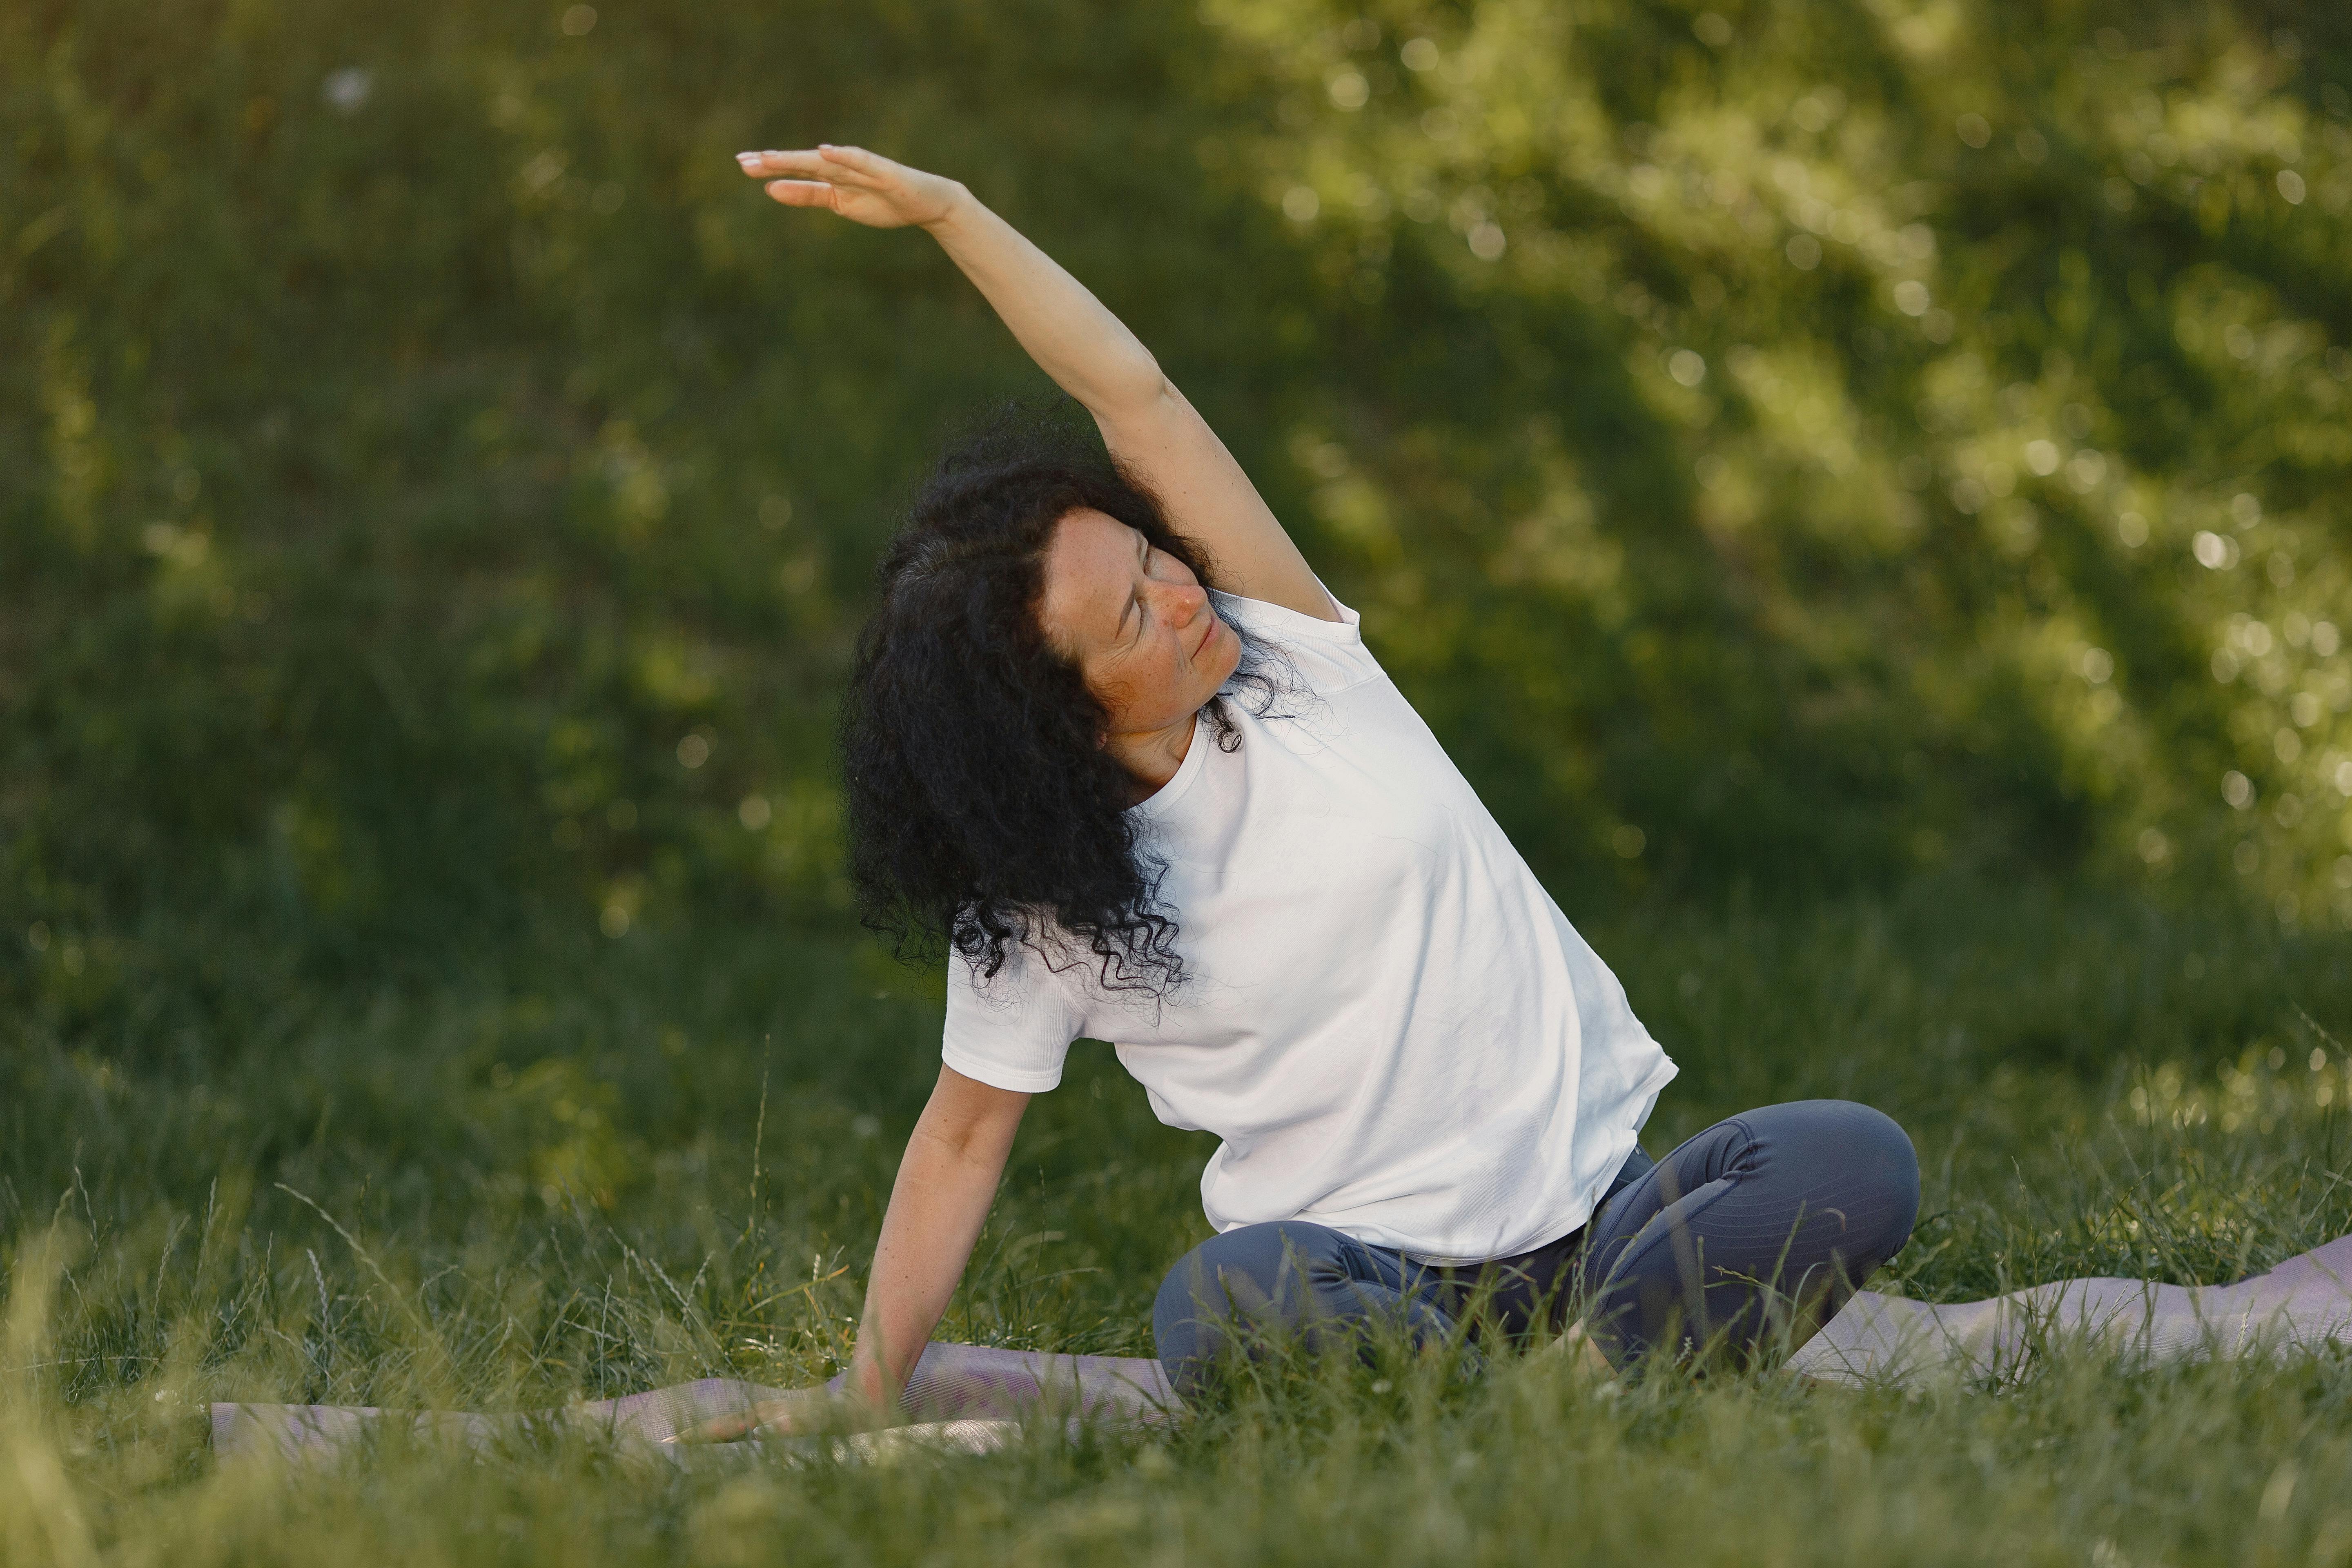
[(946, 1182), (1072, 335), (937, 1207)]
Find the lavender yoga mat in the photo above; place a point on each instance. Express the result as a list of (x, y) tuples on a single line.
[(2303, 1303), (975, 1398), (962, 1398)]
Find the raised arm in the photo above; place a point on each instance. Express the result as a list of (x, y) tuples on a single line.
[(1145, 421)]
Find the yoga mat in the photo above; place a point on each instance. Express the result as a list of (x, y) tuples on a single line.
[(2303, 1303), (976, 1399), (962, 1399)]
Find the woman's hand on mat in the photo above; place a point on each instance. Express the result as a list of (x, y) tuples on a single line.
[(862, 186), (779, 1415), (796, 1414)]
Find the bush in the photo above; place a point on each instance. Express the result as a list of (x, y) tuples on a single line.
[(1801, 446)]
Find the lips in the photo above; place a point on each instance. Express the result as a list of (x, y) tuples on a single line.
[(1206, 638)]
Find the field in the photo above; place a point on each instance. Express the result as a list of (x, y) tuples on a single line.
[(665, 1159), (1858, 486)]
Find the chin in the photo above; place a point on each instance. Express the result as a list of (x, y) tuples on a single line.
[(1231, 662)]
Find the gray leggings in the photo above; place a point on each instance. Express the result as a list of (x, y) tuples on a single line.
[(1757, 1229)]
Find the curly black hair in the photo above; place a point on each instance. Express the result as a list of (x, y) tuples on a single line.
[(982, 807)]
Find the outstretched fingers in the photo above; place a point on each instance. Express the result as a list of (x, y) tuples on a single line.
[(807, 166), (834, 166), (804, 194), (857, 159), (816, 176), (859, 185)]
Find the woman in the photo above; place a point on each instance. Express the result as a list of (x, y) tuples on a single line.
[(1111, 740)]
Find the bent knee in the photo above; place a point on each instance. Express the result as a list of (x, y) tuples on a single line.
[(1880, 1152), (1876, 1171), (1872, 1134)]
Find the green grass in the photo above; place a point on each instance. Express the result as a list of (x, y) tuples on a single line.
[(563, 1177)]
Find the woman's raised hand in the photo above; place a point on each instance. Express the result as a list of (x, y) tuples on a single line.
[(862, 186)]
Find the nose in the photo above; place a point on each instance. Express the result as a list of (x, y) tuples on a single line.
[(1181, 603)]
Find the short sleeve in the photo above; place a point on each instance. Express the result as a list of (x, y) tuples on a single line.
[(1012, 1029), (1326, 657)]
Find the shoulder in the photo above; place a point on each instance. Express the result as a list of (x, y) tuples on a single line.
[(1010, 1029), (1326, 655), (1033, 964)]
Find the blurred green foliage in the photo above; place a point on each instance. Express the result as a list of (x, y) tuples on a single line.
[(1793, 444)]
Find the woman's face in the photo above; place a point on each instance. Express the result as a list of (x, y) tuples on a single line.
[(1138, 622)]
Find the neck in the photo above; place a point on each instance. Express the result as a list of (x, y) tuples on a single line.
[(1151, 756)]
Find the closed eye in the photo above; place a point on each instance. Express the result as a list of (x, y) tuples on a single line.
[(1143, 559)]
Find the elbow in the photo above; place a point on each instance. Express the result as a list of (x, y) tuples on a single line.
[(969, 1121), (961, 1142), (1136, 397)]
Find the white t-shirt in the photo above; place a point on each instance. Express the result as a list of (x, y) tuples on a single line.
[(1386, 1018)]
